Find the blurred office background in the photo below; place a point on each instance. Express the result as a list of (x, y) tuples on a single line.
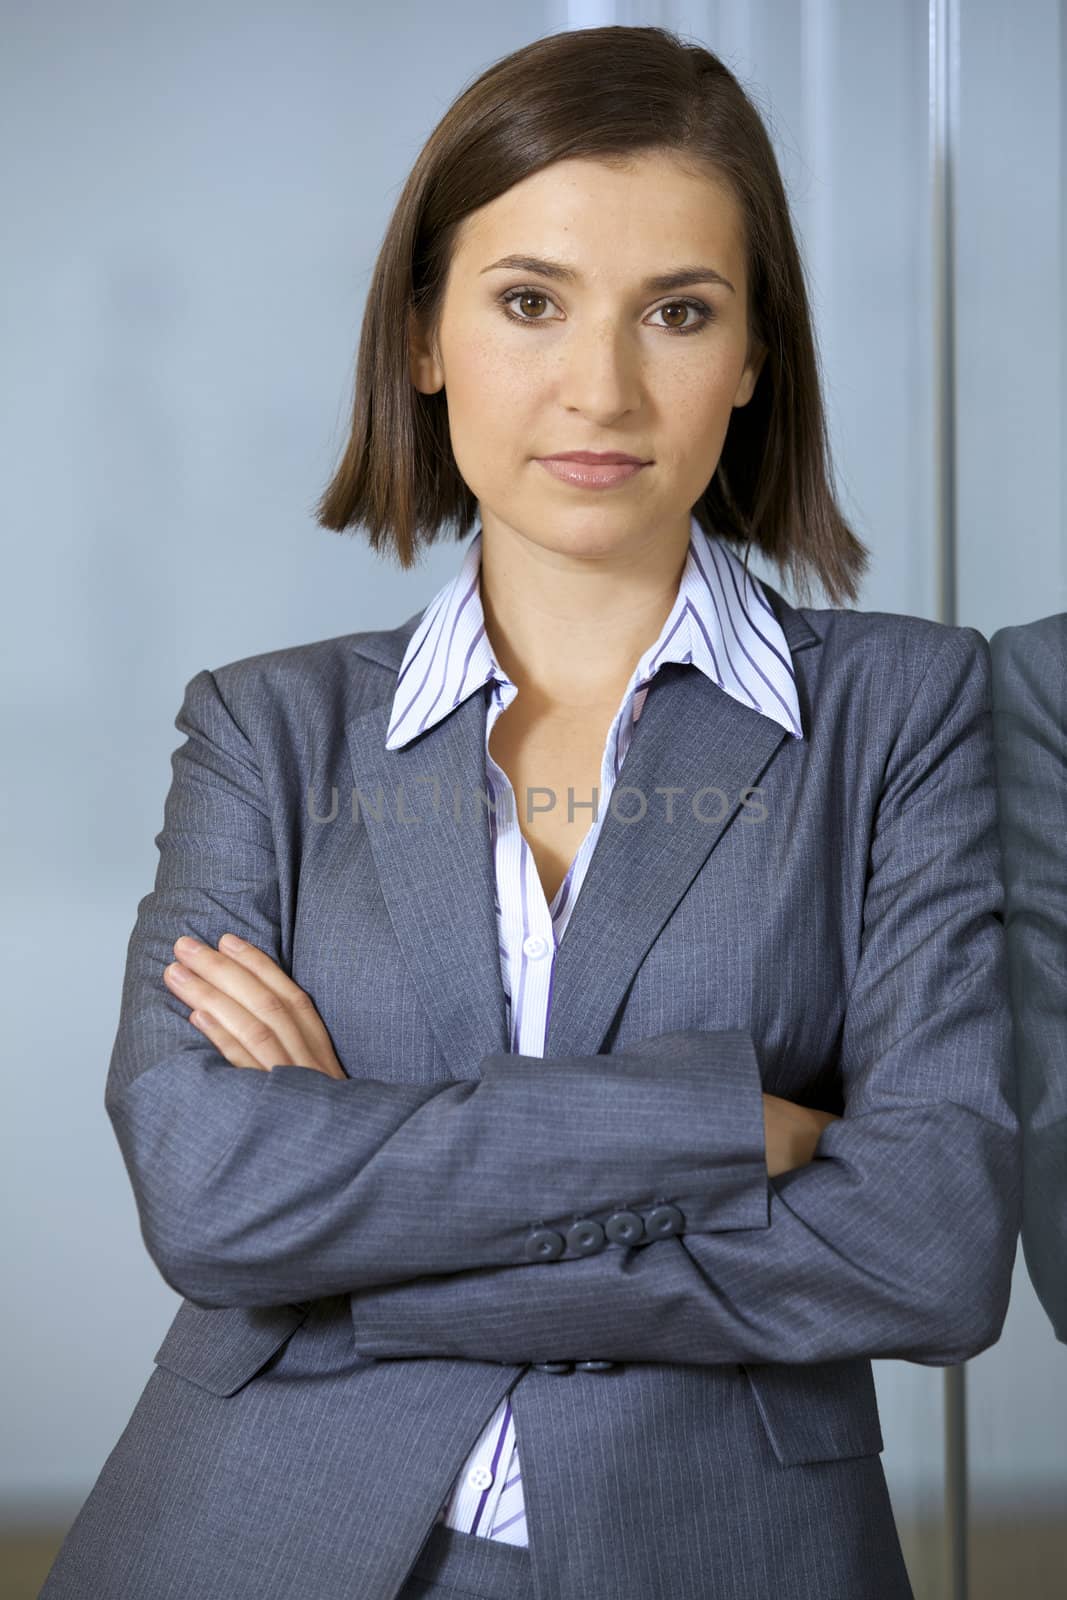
[(193, 198)]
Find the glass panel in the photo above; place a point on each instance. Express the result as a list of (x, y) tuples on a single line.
[(1011, 271)]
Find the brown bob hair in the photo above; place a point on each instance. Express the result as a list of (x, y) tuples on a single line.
[(606, 94)]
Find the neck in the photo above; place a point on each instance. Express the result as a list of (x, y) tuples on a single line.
[(571, 630)]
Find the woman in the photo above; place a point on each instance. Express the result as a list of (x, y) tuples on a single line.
[(590, 1150)]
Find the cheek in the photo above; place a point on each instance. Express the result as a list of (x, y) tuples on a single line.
[(489, 399), (489, 418), (693, 427), (696, 419), (482, 372)]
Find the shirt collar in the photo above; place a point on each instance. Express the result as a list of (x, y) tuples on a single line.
[(721, 622)]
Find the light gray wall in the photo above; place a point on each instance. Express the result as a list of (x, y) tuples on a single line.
[(193, 200)]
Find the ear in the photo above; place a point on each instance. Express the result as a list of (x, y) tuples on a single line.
[(424, 365), (750, 376)]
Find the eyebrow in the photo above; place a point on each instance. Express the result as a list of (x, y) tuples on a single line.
[(683, 278)]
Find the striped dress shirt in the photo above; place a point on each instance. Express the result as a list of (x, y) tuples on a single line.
[(721, 623)]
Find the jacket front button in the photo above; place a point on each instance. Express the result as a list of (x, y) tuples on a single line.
[(664, 1220), (593, 1366), (553, 1366), (544, 1244)]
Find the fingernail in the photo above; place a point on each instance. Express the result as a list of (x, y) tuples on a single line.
[(178, 974), (231, 941)]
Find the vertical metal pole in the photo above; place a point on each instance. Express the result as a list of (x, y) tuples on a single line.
[(944, 55), (944, 87), (956, 1481)]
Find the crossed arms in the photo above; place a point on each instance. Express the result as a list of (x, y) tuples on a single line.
[(255, 1188)]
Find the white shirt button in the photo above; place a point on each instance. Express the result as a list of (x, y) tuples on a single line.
[(479, 1477), (535, 946)]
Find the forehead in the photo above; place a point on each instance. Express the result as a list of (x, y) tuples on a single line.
[(610, 218)]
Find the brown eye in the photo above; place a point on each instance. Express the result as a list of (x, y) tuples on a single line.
[(678, 308), (522, 297)]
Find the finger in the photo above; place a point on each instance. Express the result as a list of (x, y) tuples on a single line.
[(264, 991), (297, 1002), (260, 1040), (224, 1042), (256, 1037), (253, 1012), (262, 966)]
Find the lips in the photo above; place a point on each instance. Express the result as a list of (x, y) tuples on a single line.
[(591, 475), (597, 458)]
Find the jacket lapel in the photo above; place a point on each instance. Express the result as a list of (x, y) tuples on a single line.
[(433, 852), (695, 739), (434, 859)]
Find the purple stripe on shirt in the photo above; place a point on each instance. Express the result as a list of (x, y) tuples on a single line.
[(770, 647), (496, 1457)]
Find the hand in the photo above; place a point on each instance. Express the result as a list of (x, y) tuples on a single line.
[(791, 1133), (253, 1013)]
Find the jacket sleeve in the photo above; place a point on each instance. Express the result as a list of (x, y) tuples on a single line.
[(898, 1239), (255, 1188), (1030, 721)]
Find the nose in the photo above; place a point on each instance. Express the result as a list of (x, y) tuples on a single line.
[(601, 372)]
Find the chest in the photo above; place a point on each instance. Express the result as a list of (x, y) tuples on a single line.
[(553, 763)]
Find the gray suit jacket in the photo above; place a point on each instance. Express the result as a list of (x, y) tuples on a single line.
[(363, 1261), (1030, 729)]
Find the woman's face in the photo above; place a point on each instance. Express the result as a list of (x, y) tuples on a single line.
[(592, 362)]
